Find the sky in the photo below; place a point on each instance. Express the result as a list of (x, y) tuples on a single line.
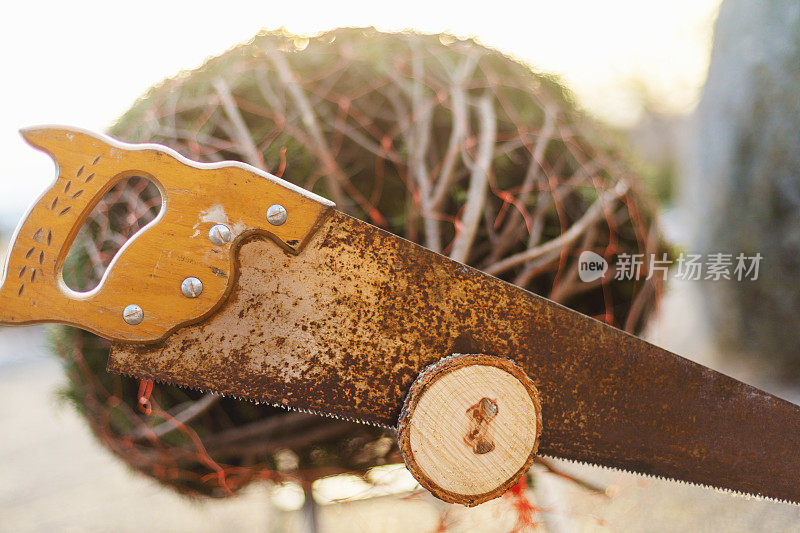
[(84, 63)]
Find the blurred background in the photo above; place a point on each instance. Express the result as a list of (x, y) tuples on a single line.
[(700, 98)]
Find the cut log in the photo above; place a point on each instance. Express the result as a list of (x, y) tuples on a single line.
[(470, 427)]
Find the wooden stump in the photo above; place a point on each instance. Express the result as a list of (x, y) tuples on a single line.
[(470, 427)]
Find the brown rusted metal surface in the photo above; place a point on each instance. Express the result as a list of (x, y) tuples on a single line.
[(345, 326)]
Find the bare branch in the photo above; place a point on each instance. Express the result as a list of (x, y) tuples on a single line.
[(334, 176), (310, 121), (536, 267), (183, 416), (565, 287), (242, 138), (458, 133), (479, 179), (571, 235), (510, 230), (265, 88), (419, 142)]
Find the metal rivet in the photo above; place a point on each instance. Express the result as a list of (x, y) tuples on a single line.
[(276, 214), (191, 287), (219, 234), (133, 314)]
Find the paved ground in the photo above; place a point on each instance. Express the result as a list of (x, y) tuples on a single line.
[(55, 477)]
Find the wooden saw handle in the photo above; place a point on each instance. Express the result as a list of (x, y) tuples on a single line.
[(149, 270), (470, 427)]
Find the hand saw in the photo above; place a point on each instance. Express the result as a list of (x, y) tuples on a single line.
[(249, 286)]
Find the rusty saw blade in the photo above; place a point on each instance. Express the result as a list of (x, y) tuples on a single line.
[(299, 305), (344, 327)]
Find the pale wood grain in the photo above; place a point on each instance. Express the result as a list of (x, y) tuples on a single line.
[(453, 455)]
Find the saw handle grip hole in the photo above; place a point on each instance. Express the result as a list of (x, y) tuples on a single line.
[(123, 211)]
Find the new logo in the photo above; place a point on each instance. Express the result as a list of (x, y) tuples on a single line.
[(591, 266)]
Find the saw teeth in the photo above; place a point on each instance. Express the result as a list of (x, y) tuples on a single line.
[(731, 492), (258, 402), (573, 461)]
